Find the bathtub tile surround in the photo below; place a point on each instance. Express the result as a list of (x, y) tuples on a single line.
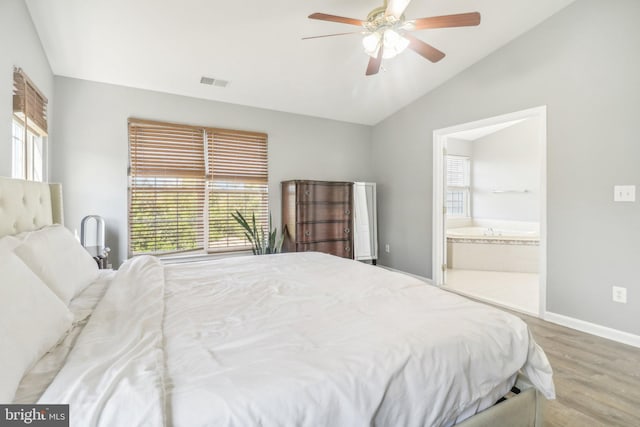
[(510, 226), (492, 240), (494, 245), (476, 255)]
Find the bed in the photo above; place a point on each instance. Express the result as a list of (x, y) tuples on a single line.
[(300, 339)]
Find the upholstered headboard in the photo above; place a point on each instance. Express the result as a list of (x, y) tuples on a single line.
[(28, 205)]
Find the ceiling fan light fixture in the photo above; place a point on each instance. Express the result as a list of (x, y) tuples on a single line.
[(387, 33), (371, 43), (394, 44)]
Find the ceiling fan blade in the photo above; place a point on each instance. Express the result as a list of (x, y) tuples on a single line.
[(424, 49), (447, 21), (331, 35), (374, 63), (396, 7), (334, 18)]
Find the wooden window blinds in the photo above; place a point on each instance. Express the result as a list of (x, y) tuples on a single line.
[(184, 183), (29, 104)]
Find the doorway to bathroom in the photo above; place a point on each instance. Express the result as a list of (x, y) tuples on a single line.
[(490, 210)]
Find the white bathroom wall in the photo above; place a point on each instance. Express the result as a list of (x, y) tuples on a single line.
[(459, 147), (507, 160)]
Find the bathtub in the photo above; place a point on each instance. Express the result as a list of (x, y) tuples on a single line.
[(512, 248), (491, 234)]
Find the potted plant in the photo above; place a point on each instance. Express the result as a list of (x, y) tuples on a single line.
[(261, 243)]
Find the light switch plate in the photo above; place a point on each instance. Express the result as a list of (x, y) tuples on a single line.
[(624, 193), (619, 294)]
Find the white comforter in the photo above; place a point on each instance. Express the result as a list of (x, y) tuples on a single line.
[(301, 339)]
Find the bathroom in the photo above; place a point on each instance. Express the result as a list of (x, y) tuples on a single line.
[(493, 208)]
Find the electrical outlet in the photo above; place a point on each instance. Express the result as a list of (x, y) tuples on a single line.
[(619, 294), (387, 248), (624, 193)]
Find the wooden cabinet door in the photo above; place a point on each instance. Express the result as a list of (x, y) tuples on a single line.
[(307, 212), (324, 193), (319, 231)]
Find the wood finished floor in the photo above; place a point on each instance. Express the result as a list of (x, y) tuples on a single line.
[(597, 380)]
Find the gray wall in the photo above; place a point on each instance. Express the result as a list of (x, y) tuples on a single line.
[(19, 46), (584, 64), (90, 157), (507, 160)]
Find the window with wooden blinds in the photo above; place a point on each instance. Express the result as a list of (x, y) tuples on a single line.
[(29, 104), (239, 181), (184, 183)]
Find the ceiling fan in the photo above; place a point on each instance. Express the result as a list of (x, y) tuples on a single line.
[(387, 32)]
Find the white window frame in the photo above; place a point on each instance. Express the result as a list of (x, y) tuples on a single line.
[(28, 162), (465, 189), (235, 185)]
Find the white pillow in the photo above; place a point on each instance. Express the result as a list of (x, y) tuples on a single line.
[(9, 243), (59, 260), (32, 321)]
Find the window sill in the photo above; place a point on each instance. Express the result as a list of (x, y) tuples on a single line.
[(181, 259)]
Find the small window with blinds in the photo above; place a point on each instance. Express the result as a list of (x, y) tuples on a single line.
[(184, 183), (29, 129), (457, 202)]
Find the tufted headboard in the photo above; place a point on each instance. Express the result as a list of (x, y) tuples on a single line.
[(28, 205)]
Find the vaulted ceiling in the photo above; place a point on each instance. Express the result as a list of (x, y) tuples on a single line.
[(167, 45)]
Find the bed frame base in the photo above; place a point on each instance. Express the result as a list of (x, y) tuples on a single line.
[(522, 410)]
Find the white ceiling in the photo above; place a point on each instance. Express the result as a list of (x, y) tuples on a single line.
[(167, 45)]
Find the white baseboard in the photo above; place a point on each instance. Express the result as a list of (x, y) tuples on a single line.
[(424, 279), (593, 329)]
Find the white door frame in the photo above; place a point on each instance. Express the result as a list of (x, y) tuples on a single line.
[(439, 143)]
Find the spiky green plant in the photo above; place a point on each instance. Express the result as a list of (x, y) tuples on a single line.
[(261, 243)]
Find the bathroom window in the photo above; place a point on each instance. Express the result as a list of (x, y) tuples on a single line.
[(458, 197)]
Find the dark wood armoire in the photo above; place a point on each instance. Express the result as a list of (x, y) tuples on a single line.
[(318, 216)]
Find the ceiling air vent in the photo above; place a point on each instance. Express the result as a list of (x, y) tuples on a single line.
[(214, 82)]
